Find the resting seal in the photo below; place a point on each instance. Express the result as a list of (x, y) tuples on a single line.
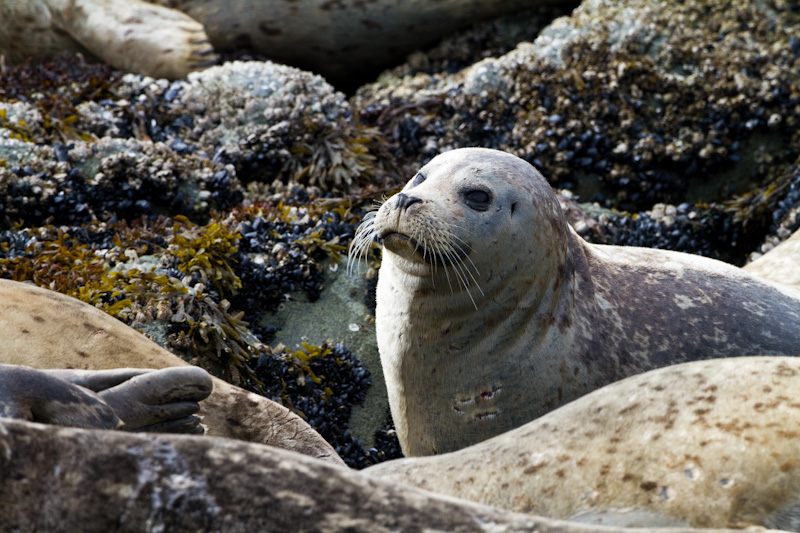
[(132, 399), (130, 34), (781, 264), (491, 311), (332, 38), (703, 444), (46, 329)]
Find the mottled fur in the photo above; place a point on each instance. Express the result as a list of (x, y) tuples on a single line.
[(706, 444)]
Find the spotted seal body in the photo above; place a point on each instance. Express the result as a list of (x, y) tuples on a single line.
[(491, 311), (47, 330), (704, 444), (169, 38)]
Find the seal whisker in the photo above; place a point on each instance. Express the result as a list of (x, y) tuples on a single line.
[(362, 240), (456, 256), (440, 254), (418, 236), (451, 255), (432, 261), (466, 270), (464, 283), (458, 269), (358, 249), (464, 253), (462, 272)]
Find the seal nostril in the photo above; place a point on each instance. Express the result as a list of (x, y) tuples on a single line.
[(404, 201)]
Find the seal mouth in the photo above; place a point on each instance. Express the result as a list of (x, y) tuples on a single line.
[(395, 237), (403, 245), (408, 246)]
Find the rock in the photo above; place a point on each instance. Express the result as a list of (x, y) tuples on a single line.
[(784, 200), (340, 315), (63, 479), (93, 145)]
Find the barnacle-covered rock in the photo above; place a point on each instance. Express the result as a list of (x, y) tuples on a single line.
[(701, 229), (785, 209), (208, 293), (108, 179), (491, 38), (629, 103), (88, 143), (272, 122)]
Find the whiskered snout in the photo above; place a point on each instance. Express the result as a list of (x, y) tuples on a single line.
[(418, 235)]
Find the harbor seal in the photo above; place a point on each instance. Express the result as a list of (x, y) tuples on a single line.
[(492, 311), (48, 330), (702, 444), (131, 399), (170, 38), (131, 35)]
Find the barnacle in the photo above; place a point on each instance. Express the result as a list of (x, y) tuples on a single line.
[(205, 330), (203, 327), (56, 88), (56, 260), (617, 117)]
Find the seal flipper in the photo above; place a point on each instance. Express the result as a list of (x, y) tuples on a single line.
[(163, 400), (190, 425), (97, 380), (28, 31), (34, 395), (136, 36)]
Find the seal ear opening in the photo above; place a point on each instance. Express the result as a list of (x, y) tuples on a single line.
[(513, 208)]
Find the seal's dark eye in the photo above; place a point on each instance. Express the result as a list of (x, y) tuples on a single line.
[(419, 178), (477, 199)]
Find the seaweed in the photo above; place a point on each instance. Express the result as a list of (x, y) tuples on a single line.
[(321, 384)]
